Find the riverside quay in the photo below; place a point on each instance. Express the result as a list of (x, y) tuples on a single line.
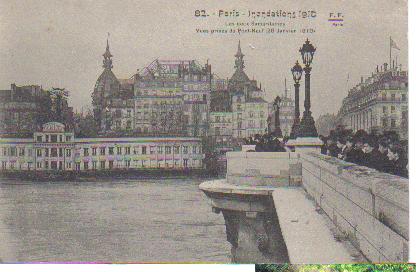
[(55, 148)]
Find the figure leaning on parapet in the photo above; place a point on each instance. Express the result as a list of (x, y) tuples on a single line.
[(383, 152)]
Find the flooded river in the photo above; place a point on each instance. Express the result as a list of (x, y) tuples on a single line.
[(109, 221)]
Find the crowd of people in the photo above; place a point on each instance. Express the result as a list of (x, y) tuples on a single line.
[(383, 152), (266, 143)]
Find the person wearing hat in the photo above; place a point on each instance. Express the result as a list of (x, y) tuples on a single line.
[(341, 148), (383, 162), (354, 153), (371, 154)]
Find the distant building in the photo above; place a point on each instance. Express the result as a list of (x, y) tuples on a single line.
[(379, 103), (172, 98), (113, 100), (167, 97), (250, 110), (55, 148), (25, 108)]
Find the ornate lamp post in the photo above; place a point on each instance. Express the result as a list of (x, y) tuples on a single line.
[(307, 125), (276, 104), (297, 75)]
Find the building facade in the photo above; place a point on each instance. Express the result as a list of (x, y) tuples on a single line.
[(379, 103), (55, 148), (23, 109), (250, 110), (172, 98)]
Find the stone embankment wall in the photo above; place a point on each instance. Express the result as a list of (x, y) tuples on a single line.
[(263, 168), (370, 208)]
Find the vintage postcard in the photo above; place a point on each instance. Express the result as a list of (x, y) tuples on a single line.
[(204, 131)]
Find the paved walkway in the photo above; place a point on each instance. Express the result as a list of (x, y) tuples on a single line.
[(306, 232)]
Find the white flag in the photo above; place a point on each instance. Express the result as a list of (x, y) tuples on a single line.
[(393, 44)]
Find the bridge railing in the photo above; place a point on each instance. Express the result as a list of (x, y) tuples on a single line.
[(370, 208)]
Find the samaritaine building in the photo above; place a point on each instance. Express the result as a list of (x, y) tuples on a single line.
[(379, 103), (168, 97), (172, 97)]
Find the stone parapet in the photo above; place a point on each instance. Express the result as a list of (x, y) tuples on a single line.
[(370, 208)]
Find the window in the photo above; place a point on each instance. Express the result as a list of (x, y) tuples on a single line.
[(102, 151), (13, 151), (128, 125), (68, 138), (128, 113), (217, 119), (54, 152), (176, 149), (3, 165), (239, 124), (102, 164), (144, 151), (60, 138), (393, 97), (77, 166), (68, 165), (61, 152), (47, 138), (194, 150), (4, 151), (46, 164), (128, 164), (54, 138), (46, 152), (384, 122), (38, 152), (393, 108), (185, 150), (404, 97), (118, 150), (94, 151), (110, 164), (384, 109), (39, 139), (94, 165), (85, 165), (21, 151), (168, 150), (217, 131), (127, 150), (393, 123), (86, 153), (160, 150), (383, 97), (111, 150), (38, 165), (68, 152)]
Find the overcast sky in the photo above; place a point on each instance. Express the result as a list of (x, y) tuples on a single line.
[(60, 43)]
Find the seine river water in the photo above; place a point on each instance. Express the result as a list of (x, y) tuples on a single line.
[(109, 221)]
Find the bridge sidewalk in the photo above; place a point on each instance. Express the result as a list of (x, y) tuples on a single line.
[(307, 233)]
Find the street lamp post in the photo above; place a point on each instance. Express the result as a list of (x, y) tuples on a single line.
[(297, 75), (307, 124), (277, 129)]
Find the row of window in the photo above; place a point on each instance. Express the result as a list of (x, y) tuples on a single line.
[(102, 151), (53, 138)]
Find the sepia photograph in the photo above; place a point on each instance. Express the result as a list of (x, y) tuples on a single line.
[(257, 132)]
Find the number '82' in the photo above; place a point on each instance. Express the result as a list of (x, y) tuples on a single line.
[(200, 13)]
